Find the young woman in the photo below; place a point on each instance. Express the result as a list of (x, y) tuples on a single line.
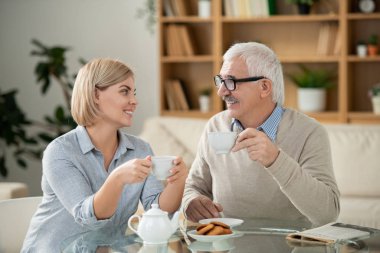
[(95, 175)]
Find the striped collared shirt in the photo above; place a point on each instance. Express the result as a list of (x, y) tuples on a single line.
[(269, 127)]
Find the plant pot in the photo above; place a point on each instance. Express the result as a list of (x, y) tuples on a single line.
[(372, 50), (376, 105), (204, 103), (311, 99), (361, 50), (304, 9), (204, 8)]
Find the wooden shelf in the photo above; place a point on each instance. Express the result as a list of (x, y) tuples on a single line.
[(282, 18), (325, 117), (195, 58), (363, 118), (294, 38), (186, 19), (355, 58), (310, 58), (361, 16)]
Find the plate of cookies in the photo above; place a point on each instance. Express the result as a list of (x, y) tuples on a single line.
[(229, 221), (210, 232)]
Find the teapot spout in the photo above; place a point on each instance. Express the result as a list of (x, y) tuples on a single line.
[(175, 221)]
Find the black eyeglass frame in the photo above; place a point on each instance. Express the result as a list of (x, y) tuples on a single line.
[(241, 80)]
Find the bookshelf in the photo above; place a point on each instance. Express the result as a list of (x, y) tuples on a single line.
[(295, 40)]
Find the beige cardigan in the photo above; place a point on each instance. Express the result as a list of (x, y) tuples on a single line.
[(299, 184)]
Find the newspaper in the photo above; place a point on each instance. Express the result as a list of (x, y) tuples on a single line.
[(335, 232)]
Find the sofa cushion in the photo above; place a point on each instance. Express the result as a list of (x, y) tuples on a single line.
[(174, 136), (11, 190), (360, 211), (356, 158)]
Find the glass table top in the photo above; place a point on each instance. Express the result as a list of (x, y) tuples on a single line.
[(251, 236)]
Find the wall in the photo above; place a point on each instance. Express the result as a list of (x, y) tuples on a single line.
[(92, 28)]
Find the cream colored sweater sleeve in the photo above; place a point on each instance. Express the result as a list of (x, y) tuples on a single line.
[(309, 183), (199, 181)]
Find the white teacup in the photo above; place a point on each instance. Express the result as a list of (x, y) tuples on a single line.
[(222, 142), (162, 165)]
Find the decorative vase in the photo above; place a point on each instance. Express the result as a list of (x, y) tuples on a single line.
[(204, 103), (376, 105), (311, 99), (304, 9), (204, 8)]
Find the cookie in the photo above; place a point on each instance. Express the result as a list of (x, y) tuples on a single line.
[(201, 226), (217, 230), (205, 229), (218, 223), (227, 231)]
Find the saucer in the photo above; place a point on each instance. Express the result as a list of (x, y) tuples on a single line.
[(229, 221), (172, 238), (221, 245), (209, 238)]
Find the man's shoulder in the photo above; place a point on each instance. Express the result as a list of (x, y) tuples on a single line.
[(299, 122)]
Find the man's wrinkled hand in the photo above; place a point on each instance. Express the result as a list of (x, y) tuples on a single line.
[(202, 207)]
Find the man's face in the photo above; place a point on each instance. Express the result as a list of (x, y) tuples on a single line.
[(241, 102)]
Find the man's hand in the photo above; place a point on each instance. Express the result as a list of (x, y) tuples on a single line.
[(202, 208), (260, 148)]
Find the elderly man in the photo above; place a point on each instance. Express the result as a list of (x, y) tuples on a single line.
[(280, 165)]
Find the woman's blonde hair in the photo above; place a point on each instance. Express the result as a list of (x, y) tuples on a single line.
[(98, 73)]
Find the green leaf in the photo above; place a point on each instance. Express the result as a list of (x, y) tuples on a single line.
[(45, 137), (313, 78), (21, 162), (59, 114), (3, 168)]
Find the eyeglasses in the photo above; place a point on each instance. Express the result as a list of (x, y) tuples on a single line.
[(230, 82)]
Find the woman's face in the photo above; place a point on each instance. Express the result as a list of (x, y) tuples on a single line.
[(117, 103)]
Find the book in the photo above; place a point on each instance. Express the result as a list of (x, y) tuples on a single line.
[(170, 96), (168, 8), (323, 39), (186, 42), (334, 232), (272, 7), (180, 95)]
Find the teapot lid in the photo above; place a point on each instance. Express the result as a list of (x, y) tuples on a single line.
[(155, 211)]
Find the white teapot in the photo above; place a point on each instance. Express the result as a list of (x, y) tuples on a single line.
[(154, 227)]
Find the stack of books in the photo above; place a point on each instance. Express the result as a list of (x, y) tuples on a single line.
[(178, 42), (249, 8), (175, 96), (175, 8), (329, 42)]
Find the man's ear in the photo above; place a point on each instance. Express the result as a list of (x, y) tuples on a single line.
[(266, 88)]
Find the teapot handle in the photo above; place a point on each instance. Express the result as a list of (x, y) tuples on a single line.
[(130, 222)]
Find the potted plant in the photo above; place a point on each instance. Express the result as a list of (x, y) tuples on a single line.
[(204, 100), (374, 93), (312, 85), (304, 6), (373, 46), (361, 49), (50, 69)]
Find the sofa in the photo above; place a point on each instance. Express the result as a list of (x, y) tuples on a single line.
[(11, 190), (355, 154)]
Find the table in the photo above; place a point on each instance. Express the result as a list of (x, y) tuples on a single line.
[(253, 236)]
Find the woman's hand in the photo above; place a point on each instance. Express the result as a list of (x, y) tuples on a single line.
[(178, 172), (135, 170)]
